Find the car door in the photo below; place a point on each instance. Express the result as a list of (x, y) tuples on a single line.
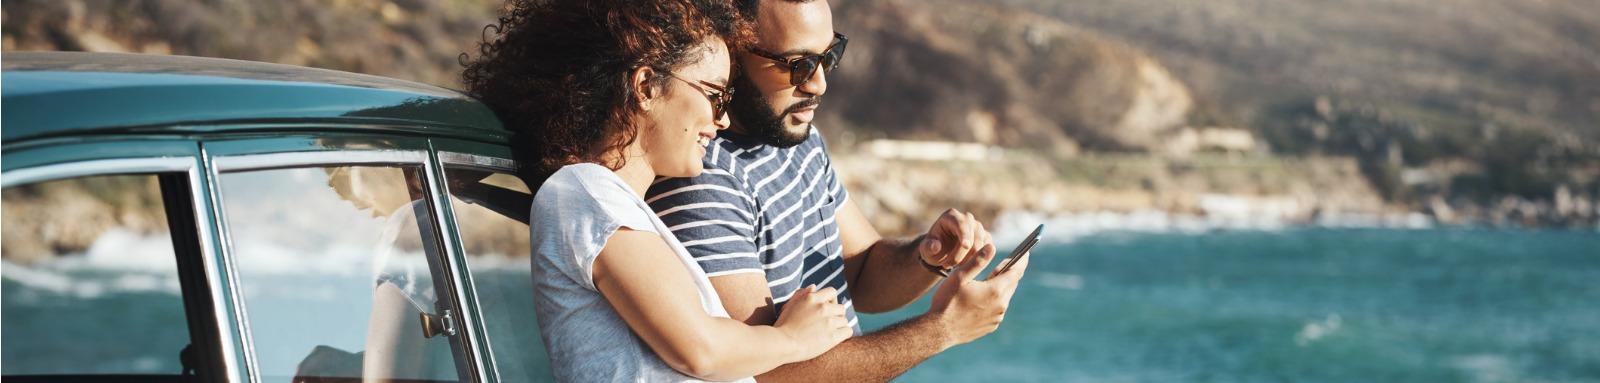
[(340, 259)]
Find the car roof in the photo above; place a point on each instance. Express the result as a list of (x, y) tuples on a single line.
[(64, 94)]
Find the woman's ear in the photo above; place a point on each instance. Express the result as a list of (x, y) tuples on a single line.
[(640, 80)]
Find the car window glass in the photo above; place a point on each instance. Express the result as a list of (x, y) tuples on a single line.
[(491, 210), (90, 279), (334, 267)]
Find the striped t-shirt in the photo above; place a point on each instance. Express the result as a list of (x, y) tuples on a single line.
[(761, 209)]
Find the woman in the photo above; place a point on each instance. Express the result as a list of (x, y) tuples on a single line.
[(605, 96)]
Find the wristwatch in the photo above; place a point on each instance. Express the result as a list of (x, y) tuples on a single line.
[(942, 271)]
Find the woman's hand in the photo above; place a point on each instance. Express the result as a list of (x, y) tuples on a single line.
[(814, 320), (641, 277)]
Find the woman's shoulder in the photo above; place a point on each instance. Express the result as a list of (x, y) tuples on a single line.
[(587, 191), (578, 181)]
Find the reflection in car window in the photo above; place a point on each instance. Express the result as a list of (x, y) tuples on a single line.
[(90, 279), (334, 267), (491, 210)]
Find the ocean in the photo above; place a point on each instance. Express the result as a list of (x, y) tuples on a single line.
[(1304, 305)]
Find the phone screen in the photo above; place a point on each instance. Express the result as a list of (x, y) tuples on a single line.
[(1022, 248)]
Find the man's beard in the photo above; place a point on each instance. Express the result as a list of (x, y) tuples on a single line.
[(754, 115)]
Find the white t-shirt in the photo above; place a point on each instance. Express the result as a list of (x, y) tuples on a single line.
[(574, 212)]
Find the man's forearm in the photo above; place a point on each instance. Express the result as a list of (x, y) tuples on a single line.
[(892, 276), (875, 357)]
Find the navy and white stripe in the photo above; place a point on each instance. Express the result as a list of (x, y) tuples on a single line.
[(761, 209)]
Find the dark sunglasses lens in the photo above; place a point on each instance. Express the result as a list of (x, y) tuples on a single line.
[(802, 69), (719, 105), (835, 55)]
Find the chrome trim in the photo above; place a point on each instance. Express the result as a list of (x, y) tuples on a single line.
[(472, 316), (474, 160), (234, 163), (95, 167), (208, 260), (457, 270), (246, 337)]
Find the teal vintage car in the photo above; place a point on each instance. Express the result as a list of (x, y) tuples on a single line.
[(187, 219)]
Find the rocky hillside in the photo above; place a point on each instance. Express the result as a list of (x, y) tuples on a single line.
[(1509, 87), (417, 40), (971, 71), (1442, 107), (936, 69)]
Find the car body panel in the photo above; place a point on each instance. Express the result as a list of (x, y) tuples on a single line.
[(50, 96)]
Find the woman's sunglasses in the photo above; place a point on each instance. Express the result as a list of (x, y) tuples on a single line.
[(719, 95), (803, 67)]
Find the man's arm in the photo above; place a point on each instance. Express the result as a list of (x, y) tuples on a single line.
[(963, 310), (888, 273), (877, 356)]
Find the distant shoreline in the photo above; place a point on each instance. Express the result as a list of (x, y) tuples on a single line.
[(1142, 192)]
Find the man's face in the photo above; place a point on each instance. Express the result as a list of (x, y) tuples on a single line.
[(766, 103)]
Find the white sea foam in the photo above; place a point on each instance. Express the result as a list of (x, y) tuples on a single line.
[(1010, 226), (119, 261), (34, 278), (1314, 331), (1060, 280), (121, 250), (1486, 368)]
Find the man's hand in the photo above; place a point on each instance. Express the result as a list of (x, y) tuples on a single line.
[(954, 238), (968, 308)]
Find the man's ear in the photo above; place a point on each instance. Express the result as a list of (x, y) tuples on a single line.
[(644, 93)]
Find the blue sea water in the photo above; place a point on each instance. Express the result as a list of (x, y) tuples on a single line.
[(1311, 305), (1304, 305)]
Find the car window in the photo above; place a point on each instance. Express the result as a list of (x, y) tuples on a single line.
[(337, 267), (91, 282), (491, 211)]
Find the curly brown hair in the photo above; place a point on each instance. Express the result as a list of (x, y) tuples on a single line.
[(557, 72)]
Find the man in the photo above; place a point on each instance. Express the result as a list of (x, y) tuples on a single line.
[(769, 216)]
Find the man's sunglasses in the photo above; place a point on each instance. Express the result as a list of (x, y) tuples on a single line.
[(803, 67), (719, 95)]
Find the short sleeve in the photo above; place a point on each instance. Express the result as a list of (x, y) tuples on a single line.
[(575, 212), (835, 187), (713, 217)]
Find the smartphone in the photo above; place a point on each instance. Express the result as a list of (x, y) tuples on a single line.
[(1022, 248)]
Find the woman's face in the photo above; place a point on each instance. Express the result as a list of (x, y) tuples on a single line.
[(681, 122)]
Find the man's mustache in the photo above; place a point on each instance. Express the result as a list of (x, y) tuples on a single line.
[(810, 102)]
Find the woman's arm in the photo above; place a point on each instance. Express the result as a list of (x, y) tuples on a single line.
[(648, 286)]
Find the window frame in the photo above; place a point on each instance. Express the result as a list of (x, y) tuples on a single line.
[(456, 156), (177, 166), (281, 151)]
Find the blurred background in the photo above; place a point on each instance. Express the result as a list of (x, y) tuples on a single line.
[(1234, 190)]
